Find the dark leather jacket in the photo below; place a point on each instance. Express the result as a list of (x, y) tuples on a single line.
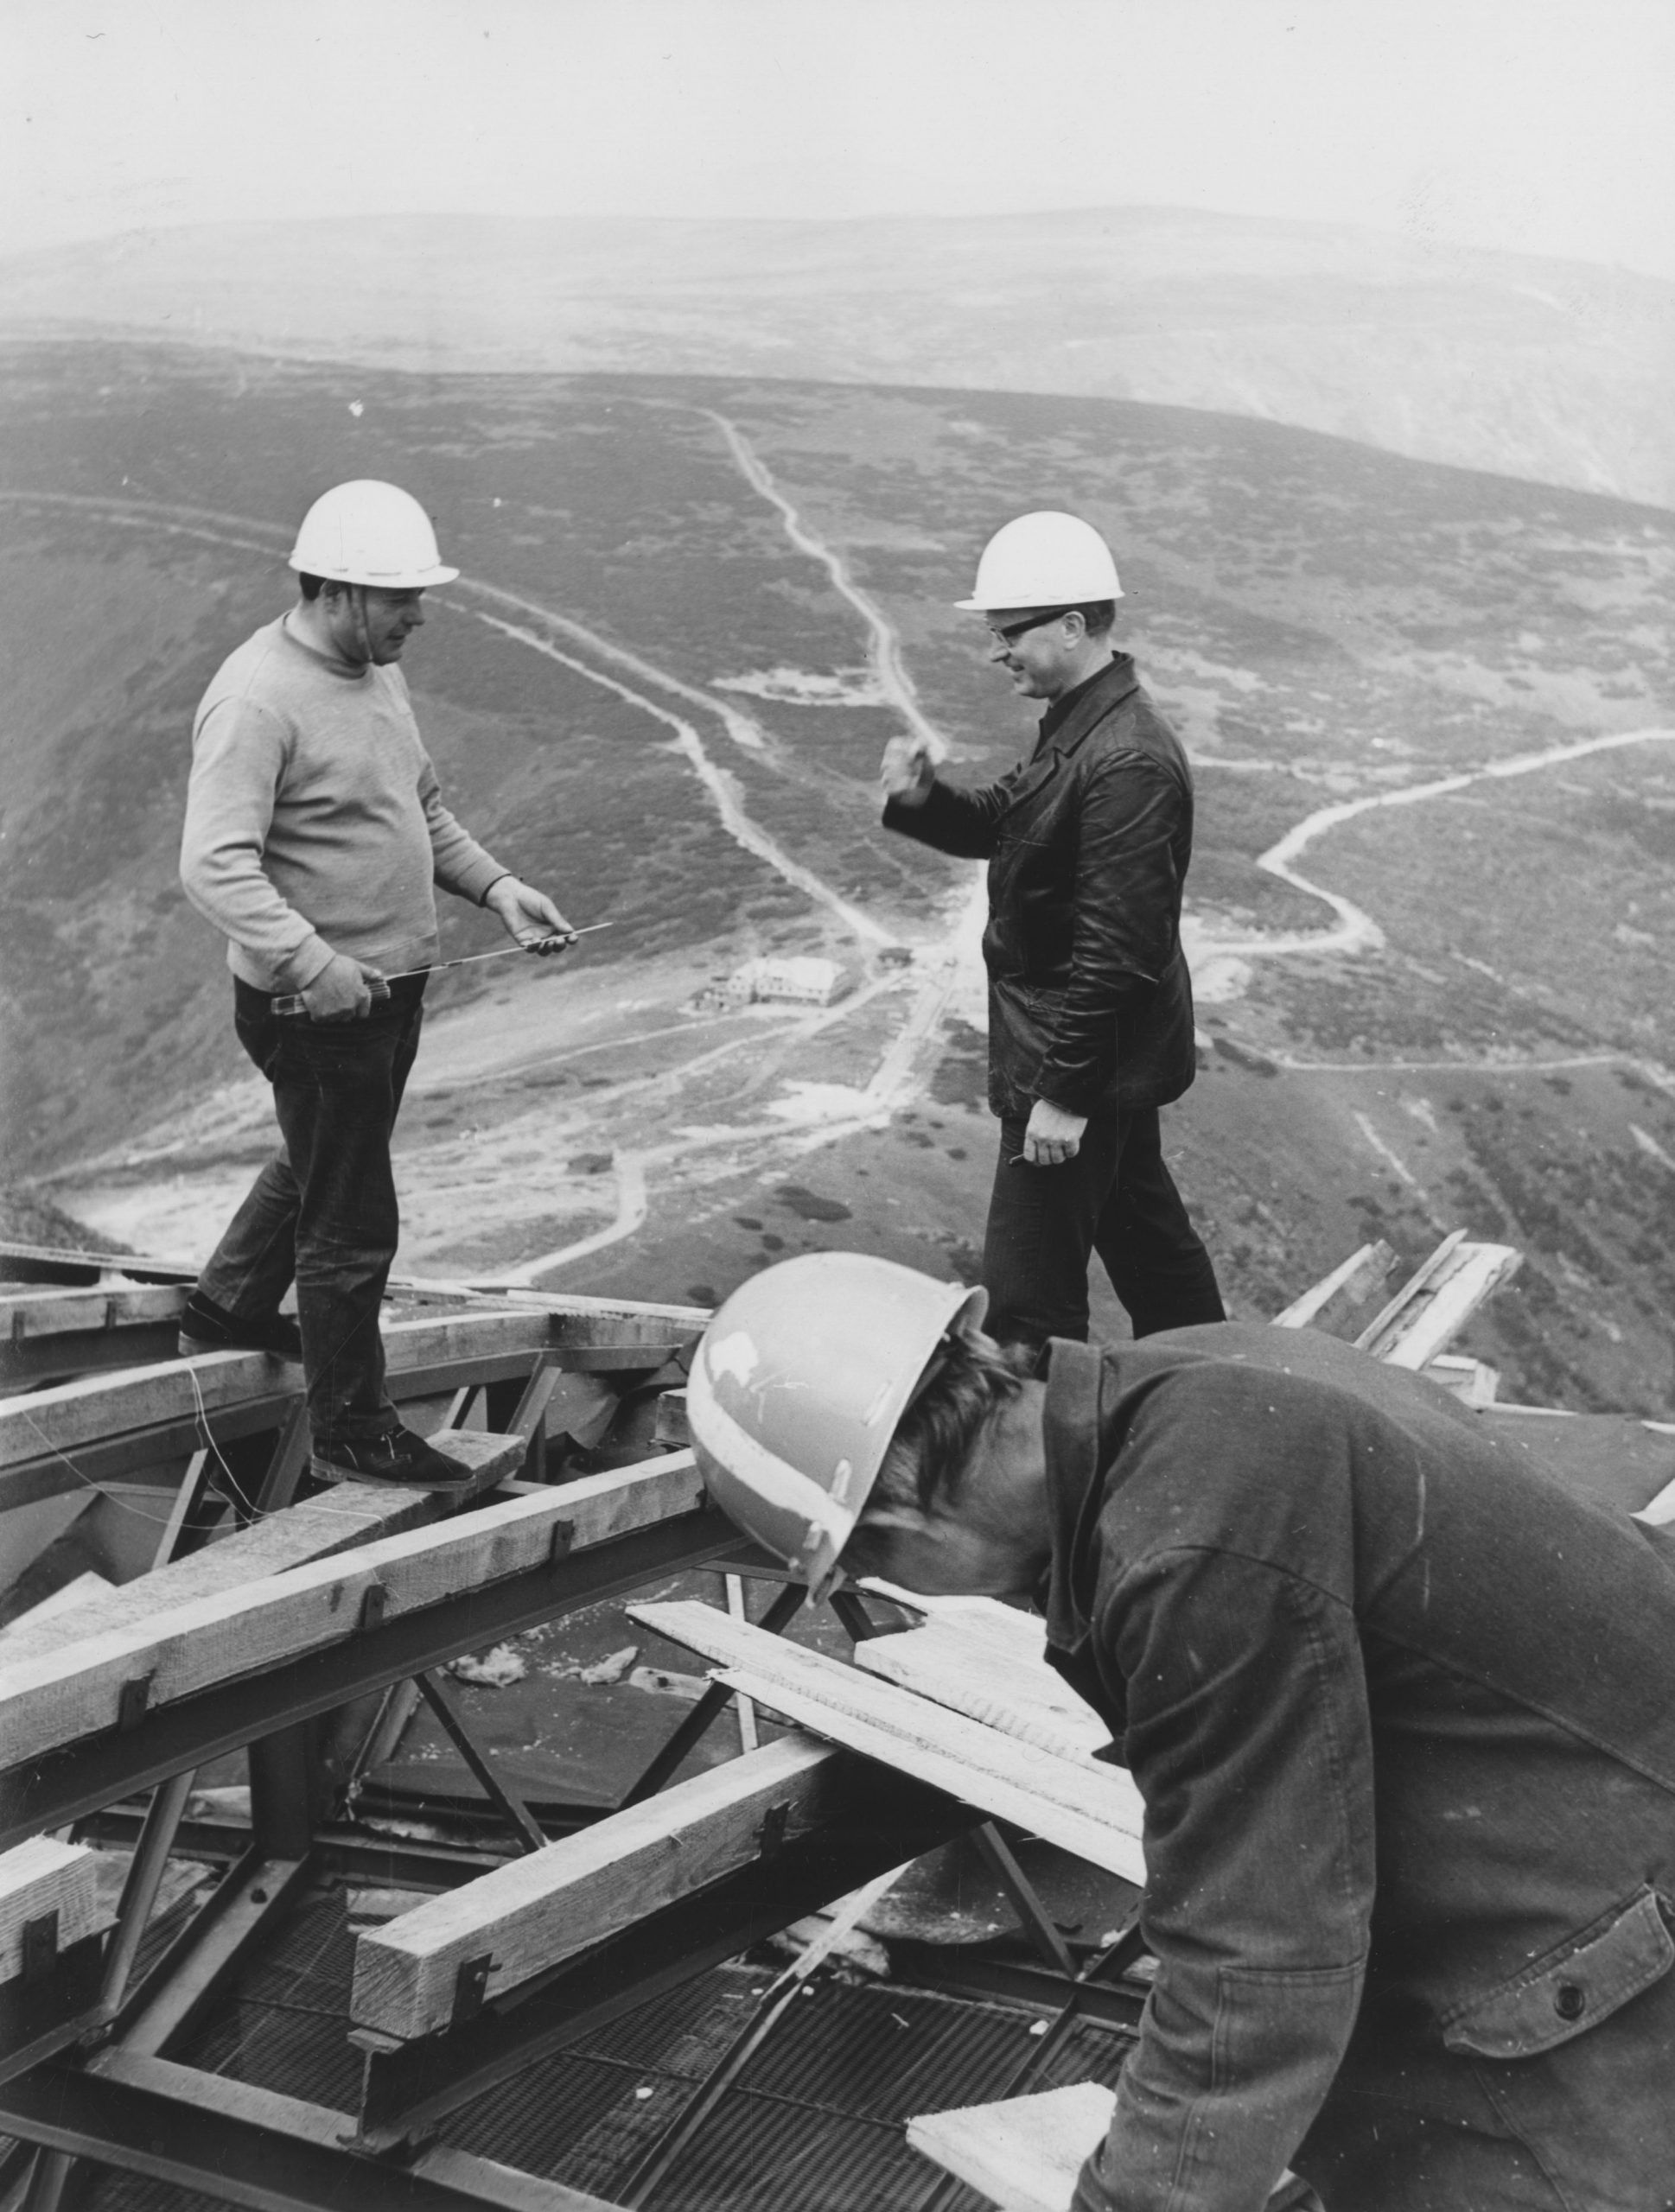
[(1090, 1003), (1402, 1708)]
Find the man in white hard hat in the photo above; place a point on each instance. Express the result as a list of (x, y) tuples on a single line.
[(314, 832), (1090, 1003), (1398, 1696)]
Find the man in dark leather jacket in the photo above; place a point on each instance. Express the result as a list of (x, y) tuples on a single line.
[(1090, 1002)]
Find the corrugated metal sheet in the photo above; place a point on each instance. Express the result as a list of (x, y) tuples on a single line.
[(814, 2124)]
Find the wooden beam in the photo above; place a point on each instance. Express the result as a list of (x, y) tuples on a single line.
[(350, 1513), (53, 1263), (79, 1687), (52, 1335), (77, 1413), (27, 1314), (987, 1660), (580, 1312), (39, 1878), (1431, 1309), (1026, 2153), (1090, 1808), (536, 1911), (1349, 1286), (1023, 2154)]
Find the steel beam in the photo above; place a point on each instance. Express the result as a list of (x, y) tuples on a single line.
[(243, 1912), (887, 1818), (40, 2015), (974, 1972), (246, 2146), (99, 1769)]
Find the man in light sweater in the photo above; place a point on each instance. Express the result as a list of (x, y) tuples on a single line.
[(315, 833)]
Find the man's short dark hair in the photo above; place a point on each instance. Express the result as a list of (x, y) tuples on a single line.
[(935, 1438), (1099, 615), (310, 586)]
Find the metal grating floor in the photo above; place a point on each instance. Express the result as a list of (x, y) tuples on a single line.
[(815, 2123)]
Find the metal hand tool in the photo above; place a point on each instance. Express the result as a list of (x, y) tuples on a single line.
[(293, 1002)]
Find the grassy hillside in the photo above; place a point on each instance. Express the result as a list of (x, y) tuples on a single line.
[(1328, 626), (1554, 369)]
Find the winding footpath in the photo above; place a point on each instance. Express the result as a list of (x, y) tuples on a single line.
[(884, 647), (1356, 931)]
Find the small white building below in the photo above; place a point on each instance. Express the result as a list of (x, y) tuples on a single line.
[(799, 981)]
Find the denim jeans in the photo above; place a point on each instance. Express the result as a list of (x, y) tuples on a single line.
[(1117, 1198), (323, 1211)]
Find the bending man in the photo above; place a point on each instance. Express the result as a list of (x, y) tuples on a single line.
[(1090, 1003), (315, 832), (1400, 1704)]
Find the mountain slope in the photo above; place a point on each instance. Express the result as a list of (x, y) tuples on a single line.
[(1552, 370)]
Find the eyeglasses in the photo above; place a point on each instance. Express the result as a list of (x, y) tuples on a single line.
[(1015, 629)]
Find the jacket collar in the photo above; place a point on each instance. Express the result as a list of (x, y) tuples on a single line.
[(1069, 719)]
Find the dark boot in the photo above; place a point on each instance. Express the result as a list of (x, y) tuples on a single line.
[(396, 1456), (206, 1326)]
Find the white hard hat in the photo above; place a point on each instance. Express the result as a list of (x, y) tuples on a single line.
[(370, 533), (1044, 559), (796, 1389)]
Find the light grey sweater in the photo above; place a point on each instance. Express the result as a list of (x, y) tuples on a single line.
[(314, 821)]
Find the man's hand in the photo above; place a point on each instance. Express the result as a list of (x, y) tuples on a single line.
[(907, 771), (343, 990), (528, 915), (1053, 1136)]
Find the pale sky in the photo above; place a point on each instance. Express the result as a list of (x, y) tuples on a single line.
[(1542, 126)]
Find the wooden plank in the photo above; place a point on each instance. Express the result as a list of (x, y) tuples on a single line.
[(1093, 1810), (73, 1593), (1023, 2154), (1455, 1284), (41, 1361), (55, 1696), (1349, 1286), (536, 1910), (41, 1877), (580, 1314), (27, 1314), (55, 1263), (76, 1413), (1474, 1382), (986, 1660), (1658, 1512), (347, 1515), (1026, 2153)]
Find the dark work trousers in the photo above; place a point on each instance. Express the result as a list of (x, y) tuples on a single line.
[(1116, 1198), (323, 1209)]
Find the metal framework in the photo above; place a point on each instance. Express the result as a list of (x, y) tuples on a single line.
[(86, 2064)]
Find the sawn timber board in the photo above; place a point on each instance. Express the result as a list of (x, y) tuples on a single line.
[(1093, 1810), (60, 1695)]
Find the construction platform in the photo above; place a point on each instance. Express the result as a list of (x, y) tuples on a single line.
[(534, 1852)]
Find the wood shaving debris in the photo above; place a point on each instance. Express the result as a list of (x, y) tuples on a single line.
[(611, 1669), (492, 1670)]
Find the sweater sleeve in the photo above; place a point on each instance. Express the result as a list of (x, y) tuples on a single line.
[(460, 863), (239, 757), (1250, 1741)]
